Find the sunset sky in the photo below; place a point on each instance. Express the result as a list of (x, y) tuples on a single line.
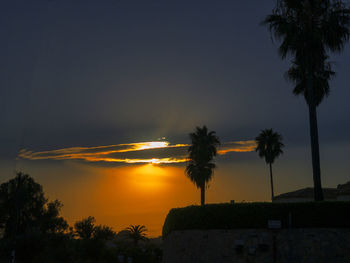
[(97, 99)]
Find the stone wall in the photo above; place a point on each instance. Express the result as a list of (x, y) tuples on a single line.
[(257, 245)]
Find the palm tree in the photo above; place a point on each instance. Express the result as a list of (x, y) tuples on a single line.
[(201, 154), (85, 228), (309, 30), (269, 146), (137, 233)]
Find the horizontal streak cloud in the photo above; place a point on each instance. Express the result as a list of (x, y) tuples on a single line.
[(159, 152)]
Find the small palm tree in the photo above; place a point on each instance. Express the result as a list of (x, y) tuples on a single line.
[(137, 233), (269, 146), (309, 30), (85, 228), (201, 154)]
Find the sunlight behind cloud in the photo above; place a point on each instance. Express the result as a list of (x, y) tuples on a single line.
[(154, 152), (152, 145)]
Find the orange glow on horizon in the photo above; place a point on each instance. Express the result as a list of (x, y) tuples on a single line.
[(149, 177), (136, 194), (140, 194)]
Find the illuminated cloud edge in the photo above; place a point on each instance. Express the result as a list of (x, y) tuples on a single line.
[(116, 153)]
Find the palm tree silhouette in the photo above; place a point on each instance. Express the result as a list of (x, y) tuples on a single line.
[(85, 228), (309, 30), (201, 154), (137, 233), (269, 146)]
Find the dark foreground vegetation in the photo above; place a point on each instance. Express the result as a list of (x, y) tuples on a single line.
[(256, 215), (32, 230)]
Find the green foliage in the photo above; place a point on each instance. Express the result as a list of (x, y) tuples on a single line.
[(256, 215)]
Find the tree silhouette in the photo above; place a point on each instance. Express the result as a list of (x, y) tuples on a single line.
[(24, 206), (27, 217), (309, 30), (269, 146), (87, 230), (137, 233), (104, 233), (201, 154)]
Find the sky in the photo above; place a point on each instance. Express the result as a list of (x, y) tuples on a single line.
[(97, 99)]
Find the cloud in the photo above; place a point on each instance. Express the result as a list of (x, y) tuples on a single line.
[(158, 152), (238, 146)]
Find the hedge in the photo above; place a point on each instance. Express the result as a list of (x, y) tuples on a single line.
[(256, 215)]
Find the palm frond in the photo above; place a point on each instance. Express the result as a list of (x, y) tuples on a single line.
[(201, 153), (269, 145), (307, 30)]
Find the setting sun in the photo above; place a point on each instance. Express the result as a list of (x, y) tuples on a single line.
[(150, 177), (151, 145)]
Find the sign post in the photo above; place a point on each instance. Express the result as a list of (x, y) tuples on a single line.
[(274, 225)]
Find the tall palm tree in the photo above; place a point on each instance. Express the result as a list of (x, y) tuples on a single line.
[(309, 30), (269, 146), (137, 233), (201, 155)]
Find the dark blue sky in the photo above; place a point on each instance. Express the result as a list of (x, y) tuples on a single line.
[(86, 73)]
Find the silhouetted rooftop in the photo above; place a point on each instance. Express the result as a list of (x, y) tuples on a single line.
[(309, 193), (344, 188)]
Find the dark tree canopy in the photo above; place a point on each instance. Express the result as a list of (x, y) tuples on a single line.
[(25, 207), (137, 233), (201, 154), (269, 145), (29, 222), (201, 158), (86, 229), (309, 30)]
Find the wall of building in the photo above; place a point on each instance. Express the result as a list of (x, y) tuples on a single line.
[(257, 245), (343, 198)]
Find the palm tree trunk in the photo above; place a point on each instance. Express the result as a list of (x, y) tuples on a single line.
[(203, 195), (271, 180), (315, 152)]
